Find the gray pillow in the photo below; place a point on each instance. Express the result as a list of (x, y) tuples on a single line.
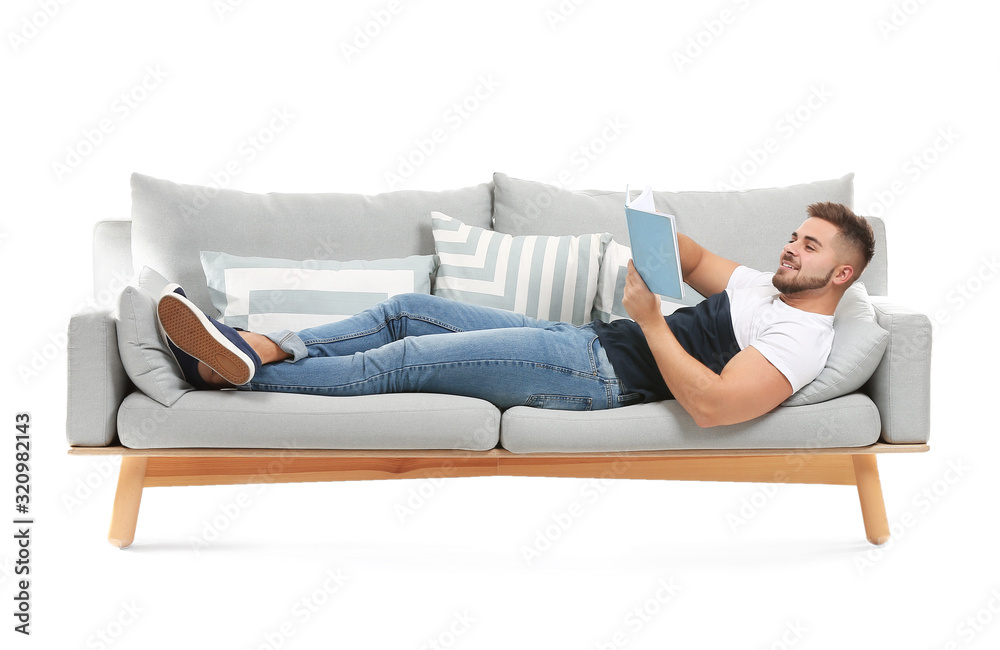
[(173, 222), (144, 354), (858, 345)]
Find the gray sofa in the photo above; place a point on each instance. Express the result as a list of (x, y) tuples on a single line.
[(214, 437)]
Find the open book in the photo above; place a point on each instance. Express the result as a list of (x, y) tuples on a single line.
[(655, 251)]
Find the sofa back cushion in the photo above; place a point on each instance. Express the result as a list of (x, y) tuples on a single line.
[(172, 223), (749, 227)]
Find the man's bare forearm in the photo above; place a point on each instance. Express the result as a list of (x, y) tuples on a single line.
[(690, 253), (690, 381)]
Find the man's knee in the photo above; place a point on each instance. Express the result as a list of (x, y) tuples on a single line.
[(410, 302)]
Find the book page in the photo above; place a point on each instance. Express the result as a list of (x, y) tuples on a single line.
[(642, 202)]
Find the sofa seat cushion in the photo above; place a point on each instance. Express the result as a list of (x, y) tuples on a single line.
[(848, 421), (240, 419)]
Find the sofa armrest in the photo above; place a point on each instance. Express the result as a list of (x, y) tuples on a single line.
[(900, 386), (97, 381)]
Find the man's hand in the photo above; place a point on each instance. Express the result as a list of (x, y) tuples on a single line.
[(642, 305)]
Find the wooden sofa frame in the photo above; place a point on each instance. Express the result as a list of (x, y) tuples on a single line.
[(142, 468)]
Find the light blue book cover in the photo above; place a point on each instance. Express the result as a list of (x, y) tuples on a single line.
[(655, 251)]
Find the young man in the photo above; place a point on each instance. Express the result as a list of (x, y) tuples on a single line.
[(754, 341)]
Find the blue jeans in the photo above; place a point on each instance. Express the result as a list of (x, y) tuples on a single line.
[(424, 343)]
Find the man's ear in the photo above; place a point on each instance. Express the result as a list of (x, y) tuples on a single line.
[(843, 274)]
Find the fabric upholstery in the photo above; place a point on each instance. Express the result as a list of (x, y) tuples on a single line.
[(96, 381), (900, 386)]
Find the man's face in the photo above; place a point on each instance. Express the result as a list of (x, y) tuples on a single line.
[(811, 256)]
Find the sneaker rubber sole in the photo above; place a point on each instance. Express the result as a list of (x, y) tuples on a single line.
[(194, 334)]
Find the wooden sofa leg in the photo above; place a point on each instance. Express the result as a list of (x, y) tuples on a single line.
[(125, 513), (870, 494)]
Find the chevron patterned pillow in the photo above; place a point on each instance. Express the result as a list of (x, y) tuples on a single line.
[(548, 277)]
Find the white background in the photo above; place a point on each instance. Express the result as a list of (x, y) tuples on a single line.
[(903, 94)]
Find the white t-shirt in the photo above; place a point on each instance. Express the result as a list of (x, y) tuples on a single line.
[(796, 342)]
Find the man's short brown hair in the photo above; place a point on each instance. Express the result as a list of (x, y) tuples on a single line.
[(856, 234)]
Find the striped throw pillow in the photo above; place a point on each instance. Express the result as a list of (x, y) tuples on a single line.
[(264, 294), (611, 287), (547, 277)]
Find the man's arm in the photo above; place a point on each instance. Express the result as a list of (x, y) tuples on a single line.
[(748, 387), (706, 272)]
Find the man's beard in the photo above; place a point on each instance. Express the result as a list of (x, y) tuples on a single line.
[(799, 282)]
